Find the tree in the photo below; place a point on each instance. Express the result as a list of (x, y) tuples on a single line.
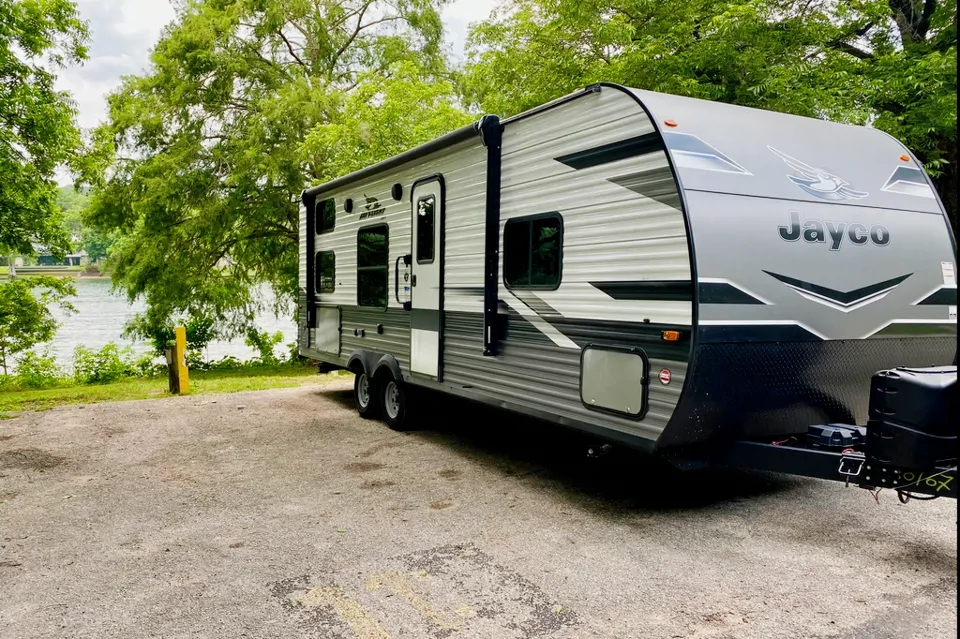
[(891, 63), (37, 130), (25, 318), (203, 158)]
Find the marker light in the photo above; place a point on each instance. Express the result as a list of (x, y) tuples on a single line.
[(670, 122), (905, 158), (671, 336)]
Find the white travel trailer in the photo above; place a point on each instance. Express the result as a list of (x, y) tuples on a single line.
[(674, 274)]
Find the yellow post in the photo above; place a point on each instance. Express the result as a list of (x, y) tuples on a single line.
[(183, 374)]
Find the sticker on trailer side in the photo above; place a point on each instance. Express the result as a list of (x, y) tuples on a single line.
[(949, 275)]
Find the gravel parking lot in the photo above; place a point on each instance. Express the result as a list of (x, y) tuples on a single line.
[(283, 514)]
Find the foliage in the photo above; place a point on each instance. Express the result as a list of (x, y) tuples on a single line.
[(200, 331), (106, 365), (25, 317), (37, 129), (73, 202), (889, 62), (202, 158), (38, 371), (264, 343)]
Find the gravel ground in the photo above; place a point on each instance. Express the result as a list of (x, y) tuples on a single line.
[(282, 514)]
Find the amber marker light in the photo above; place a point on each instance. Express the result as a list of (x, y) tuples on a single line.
[(670, 122), (905, 158), (671, 336)]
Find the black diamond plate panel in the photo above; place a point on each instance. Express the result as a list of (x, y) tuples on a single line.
[(767, 390)]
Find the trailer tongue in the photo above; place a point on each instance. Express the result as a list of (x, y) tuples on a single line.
[(909, 444)]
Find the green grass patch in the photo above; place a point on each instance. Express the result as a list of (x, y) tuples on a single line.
[(201, 383)]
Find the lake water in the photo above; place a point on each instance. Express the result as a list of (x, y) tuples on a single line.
[(102, 315)]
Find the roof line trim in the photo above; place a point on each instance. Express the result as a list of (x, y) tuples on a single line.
[(454, 137)]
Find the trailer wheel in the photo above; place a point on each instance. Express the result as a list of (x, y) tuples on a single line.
[(366, 395), (395, 404)]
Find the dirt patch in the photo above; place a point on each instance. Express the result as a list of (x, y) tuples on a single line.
[(7, 496), (377, 483), (451, 474), (29, 459), (10, 564), (4, 438), (373, 450), (362, 467), (237, 544), (440, 504)]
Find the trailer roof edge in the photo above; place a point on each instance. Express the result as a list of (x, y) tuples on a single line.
[(454, 137)]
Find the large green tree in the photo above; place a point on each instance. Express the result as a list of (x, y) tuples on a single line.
[(25, 317), (891, 63), (248, 102), (37, 129)]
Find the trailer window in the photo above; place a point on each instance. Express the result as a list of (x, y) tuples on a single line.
[(326, 272), (373, 266), (426, 207), (533, 251), (326, 216)]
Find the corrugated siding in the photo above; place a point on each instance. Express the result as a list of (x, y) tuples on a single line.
[(611, 233), (394, 340), (532, 372), (302, 269), (464, 171)]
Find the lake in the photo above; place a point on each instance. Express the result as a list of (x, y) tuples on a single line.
[(102, 315)]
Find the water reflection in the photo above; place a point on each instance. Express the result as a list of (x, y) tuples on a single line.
[(102, 315)]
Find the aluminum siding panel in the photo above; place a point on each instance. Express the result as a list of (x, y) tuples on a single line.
[(611, 233)]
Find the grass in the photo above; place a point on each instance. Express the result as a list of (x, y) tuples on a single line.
[(201, 383)]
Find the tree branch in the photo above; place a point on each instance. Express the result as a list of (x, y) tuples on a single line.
[(848, 48), (924, 25), (292, 52)]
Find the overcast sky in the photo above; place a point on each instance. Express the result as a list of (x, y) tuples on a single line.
[(124, 31)]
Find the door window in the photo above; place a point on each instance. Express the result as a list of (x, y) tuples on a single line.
[(426, 224)]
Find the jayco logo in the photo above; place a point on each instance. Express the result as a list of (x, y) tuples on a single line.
[(823, 231), (373, 207)]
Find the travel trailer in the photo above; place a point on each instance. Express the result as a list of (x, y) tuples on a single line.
[(711, 283)]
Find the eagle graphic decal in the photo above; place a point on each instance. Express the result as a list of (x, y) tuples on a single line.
[(818, 182)]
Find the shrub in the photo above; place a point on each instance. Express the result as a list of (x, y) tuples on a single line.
[(264, 343), (108, 364), (38, 371), (91, 269)]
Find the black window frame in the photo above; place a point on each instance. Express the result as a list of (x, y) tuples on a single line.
[(433, 234), (369, 269), (318, 226), (529, 220), (318, 273)]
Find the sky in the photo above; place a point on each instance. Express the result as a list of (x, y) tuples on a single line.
[(124, 31)]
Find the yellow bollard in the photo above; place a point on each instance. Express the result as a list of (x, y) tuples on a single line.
[(183, 373)]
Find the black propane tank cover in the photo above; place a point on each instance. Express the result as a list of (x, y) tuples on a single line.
[(909, 421)]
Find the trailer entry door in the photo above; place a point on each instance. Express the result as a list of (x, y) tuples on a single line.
[(426, 293)]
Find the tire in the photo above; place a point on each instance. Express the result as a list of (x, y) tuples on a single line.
[(366, 395), (395, 401)]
